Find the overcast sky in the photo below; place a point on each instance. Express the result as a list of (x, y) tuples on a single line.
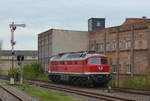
[(41, 15)]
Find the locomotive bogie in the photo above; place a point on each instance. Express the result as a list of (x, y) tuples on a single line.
[(82, 80)]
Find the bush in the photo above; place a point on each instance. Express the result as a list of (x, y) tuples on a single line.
[(146, 82), (132, 83), (112, 83), (32, 71), (14, 72)]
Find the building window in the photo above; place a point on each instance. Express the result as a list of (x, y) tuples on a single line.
[(128, 68), (113, 46), (114, 68), (128, 44), (108, 46), (96, 47), (92, 47), (101, 47), (98, 24)]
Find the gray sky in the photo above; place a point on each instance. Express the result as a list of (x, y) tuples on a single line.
[(41, 15)]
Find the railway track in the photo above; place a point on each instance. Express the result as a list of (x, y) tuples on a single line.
[(49, 85), (4, 77), (133, 91), (11, 96), (80, 92), (123, 90)]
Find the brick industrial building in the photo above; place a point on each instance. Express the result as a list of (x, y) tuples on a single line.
[(127, 45)]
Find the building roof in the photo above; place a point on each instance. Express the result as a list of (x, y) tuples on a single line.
[(50, 31), (134, 20), (19, 52)]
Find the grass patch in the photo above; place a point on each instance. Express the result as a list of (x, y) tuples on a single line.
[(44, 94), (132, 83), (112, 83)]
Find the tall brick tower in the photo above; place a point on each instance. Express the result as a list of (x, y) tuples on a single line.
[(96, 24)]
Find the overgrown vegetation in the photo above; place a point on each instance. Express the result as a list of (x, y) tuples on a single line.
[(132, 83), (43, 94), (14, 72), (112, 83), (146, 81), (34, 71), (30, 71)]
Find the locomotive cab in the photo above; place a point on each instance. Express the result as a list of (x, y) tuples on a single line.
[(98, 64), (98, 69)]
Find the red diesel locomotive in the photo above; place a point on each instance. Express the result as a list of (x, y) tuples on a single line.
[(79, 68)]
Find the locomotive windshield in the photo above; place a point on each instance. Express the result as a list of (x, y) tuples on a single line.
[(97, 61), (103, 61), (93, 61)]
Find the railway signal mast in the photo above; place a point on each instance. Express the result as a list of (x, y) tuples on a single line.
[(13, 42)]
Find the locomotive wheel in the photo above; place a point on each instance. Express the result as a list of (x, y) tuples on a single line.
[(74, 81), (83, 82)]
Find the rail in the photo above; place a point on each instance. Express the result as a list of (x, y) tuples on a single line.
[(80, 92), (11, 93)]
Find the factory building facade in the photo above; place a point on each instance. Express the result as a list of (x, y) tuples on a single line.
[(55, 41), (127, 46)]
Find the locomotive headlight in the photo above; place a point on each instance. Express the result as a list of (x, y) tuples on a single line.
[(100, 68)]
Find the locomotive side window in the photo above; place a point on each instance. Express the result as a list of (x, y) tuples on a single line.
[(83, 62), (62, 62), (69, 62), (104, 61), (54, 63), (76, 62)]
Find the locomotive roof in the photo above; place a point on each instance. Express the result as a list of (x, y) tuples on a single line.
[(74, 56)]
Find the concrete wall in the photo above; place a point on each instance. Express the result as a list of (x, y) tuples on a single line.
[(45, 48), (69, 41), (56, 41)]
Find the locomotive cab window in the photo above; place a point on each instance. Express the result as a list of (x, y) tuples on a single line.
[(104, 61), (93, 61)]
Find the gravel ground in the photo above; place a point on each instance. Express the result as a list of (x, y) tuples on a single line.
[(119, 94), (8, 97), (82, 98), (5, 96), (113, 93)]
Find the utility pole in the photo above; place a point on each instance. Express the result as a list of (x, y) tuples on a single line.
[(13, 42)]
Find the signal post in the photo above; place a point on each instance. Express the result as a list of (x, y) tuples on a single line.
[(13, 43)]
